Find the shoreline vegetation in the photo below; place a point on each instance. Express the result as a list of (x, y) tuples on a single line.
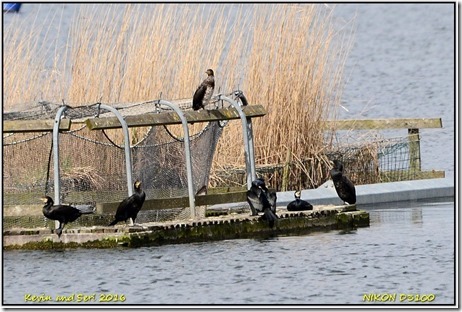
[(287, 57)]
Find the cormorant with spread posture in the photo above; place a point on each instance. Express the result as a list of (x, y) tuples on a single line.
[(344, 187), (261, 200), (130, 206), (62, 213), (299, 204), (204, 92)]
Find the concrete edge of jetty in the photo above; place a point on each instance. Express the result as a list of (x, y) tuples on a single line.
[(370, 194), (229, 226)]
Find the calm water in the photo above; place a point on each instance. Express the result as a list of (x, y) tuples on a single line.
[(408, 249), (401, 65)]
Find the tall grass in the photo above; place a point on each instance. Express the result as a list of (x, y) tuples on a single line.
[(287, 57)]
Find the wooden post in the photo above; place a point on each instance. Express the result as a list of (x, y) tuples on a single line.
[(285, 172), (414, 149)]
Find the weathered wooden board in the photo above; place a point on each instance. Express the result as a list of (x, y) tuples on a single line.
[(393, 176), (178, 202), (34, 125), (373, 124), (170, 118)]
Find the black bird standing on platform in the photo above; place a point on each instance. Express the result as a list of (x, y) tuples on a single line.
[(299, 204), (261, 200), (130, 206), (204, 92), (62, 213), (344, 187)]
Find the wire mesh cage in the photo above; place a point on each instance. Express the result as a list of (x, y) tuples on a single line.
[(378, 161), (92, 165)]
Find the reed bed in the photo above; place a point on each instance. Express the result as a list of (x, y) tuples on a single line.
[(287, 57)]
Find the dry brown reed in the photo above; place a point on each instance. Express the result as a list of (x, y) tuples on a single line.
[(287, 57)]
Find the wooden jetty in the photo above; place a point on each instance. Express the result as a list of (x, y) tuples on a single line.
[(91, 233), (219, 227)]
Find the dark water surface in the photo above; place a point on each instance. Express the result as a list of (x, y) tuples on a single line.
[(408, 249)]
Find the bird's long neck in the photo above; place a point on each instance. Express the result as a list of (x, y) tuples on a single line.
[(139, 192), (47, 206), (336, 175)]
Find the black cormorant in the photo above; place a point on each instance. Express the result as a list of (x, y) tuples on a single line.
[(62, 213), (261, 200), (130, 206), (299, 204), (204, 92), (344, 187)]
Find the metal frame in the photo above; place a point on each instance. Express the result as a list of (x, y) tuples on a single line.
[(247, 135), (128, 158), (247, 131), (128, 155), (187, 149), (57, 182)]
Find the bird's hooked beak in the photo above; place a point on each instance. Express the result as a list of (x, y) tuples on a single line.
[(44, 199)]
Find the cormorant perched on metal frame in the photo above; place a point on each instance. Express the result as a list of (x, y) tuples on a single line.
[(62, 213), (299, 204), (130, 206), (344, 187), (261, 200), (204, 92)]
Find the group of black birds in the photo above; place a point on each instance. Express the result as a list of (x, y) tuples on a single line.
[(260, 199), (127, 209)]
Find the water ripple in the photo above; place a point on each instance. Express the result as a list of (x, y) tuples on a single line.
[(291, 270)]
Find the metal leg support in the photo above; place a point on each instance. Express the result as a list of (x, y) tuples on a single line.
[(128, 157), (248, 137), (187, 149)]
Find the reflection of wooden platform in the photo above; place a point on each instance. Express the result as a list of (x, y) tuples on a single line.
[(229, 226)]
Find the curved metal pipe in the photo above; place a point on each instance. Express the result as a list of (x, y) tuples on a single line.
[(128, 157), (248, 140), (184, 122), (57, 182)]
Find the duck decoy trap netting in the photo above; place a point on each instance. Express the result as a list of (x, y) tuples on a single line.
[(92, 162)]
